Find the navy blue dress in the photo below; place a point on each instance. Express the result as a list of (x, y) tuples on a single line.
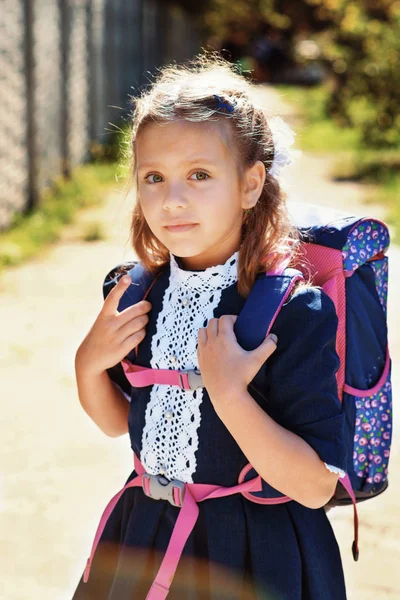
[(238, 549)]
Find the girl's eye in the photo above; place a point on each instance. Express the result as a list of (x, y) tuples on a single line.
[(201, 173), (153, 175), (203, 177)]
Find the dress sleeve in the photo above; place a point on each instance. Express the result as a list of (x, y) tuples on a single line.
[(116, 373), (301, 392)]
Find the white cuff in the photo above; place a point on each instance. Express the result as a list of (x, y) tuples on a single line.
[(335, 470)]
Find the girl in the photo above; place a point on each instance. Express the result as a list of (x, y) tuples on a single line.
[(210, 217)]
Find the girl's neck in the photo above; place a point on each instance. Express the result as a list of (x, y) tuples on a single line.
[(201, 263)]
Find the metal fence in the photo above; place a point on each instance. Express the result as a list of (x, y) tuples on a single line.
[(67, 68)]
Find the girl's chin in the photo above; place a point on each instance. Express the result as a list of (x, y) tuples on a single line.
[(184, 252), (183, 248)]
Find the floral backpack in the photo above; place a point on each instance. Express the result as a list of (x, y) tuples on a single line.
[(346, 258)]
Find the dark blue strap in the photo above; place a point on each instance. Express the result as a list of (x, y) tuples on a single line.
[(141, 281), (258, 313)]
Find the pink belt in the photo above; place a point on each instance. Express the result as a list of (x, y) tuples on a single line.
[(186, 496)]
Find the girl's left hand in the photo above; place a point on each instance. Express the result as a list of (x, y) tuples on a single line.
[(224, 365)]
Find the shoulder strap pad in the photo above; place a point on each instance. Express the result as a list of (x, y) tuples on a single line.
[(262, 307), (141, 281), (257, 315)]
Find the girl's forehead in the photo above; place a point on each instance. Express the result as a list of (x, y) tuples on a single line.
[(182, 138)]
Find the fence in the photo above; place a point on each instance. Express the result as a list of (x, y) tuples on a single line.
[(67, 68)]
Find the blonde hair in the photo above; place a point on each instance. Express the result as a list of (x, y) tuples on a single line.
[(188, 91)]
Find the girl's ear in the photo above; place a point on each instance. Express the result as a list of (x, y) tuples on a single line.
[(254, 183)]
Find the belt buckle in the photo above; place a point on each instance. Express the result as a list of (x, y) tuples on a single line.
[(194, 378), (161, 488)]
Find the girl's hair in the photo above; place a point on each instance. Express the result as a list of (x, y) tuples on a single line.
[(188, 91)]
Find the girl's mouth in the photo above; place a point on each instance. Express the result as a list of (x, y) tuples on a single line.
[(178, 228)]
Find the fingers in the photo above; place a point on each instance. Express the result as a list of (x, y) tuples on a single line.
[(110, 305), (134, 340), (274, 338), (226, 323), (136, 310), (266, 348), (212, 328), (222, 326), (202, 336), (133, 332), (209, 332), (134, 325)]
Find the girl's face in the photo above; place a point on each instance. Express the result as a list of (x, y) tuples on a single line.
[(187, 175)]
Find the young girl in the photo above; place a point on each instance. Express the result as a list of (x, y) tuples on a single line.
[(210, 217)]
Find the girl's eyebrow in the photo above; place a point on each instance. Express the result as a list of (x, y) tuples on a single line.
[(198, 159)]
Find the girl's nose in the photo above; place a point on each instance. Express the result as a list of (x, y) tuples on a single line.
[(175, 197)]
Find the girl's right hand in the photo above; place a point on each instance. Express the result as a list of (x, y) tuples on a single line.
[(113, 334)]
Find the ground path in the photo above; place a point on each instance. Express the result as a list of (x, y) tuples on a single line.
[(58, 470)]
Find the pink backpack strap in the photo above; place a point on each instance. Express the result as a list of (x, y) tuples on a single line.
[(189, 495), (346, 483), (326, 264), (139, 376)]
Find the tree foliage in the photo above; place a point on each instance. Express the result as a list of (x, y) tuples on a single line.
[(360, 46)]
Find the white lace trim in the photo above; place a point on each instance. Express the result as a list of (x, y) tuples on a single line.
[(335, 470), (170, 439), (208, 280)]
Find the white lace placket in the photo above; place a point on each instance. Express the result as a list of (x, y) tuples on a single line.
[(170, 434)]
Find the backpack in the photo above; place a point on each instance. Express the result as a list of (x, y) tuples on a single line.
[(347, 260), (345, 256)]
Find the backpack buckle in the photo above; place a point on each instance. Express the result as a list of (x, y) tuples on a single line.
[(194, 379), (159, 487)]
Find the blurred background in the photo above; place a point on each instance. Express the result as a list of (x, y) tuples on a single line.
[(68, 69)]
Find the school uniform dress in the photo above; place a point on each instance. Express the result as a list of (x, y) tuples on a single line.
[(238, 549)]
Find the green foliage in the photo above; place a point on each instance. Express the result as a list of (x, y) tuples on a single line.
[(355, 162), (359, 41), (94, 232), (117, 149), (29, 233), (370, 166), (380, 168), (362, 47), (318, 133)]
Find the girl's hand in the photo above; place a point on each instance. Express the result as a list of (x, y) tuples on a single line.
[(224, 365), (113, 334)]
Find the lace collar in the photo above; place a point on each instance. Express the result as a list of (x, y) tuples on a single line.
[(213, 278)]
